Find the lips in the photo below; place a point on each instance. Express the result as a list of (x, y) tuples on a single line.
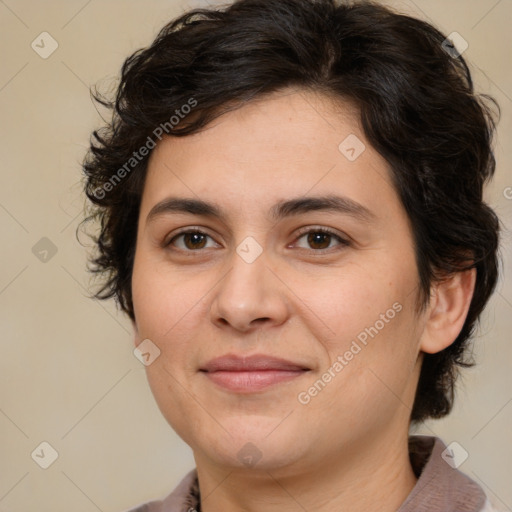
[(252, 373), (233, 363)]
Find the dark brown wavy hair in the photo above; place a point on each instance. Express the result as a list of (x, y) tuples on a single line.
[(417, 107)]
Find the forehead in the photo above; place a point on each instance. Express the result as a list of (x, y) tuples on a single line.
[(289, 144)]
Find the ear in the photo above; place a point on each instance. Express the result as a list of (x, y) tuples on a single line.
[(449, 305)]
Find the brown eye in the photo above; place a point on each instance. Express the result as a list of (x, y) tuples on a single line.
[(192, 240), (320, 239)]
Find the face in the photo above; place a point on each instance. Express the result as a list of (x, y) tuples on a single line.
[(299, 269)]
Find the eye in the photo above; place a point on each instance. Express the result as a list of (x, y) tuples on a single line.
[(320, 238), (193, 239)]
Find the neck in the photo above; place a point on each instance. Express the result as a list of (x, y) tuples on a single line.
[(369, 476)]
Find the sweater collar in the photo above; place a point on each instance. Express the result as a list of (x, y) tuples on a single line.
[(440, 487)]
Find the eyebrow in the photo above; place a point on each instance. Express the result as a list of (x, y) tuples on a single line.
[(281, 210)]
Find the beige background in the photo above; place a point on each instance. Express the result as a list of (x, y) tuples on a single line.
[(67, 372)]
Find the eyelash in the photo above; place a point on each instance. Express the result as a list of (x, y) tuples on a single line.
[(304, 231)]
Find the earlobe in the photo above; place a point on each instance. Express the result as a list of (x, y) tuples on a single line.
[(449, 306)]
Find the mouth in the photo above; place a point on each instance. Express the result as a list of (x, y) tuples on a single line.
[(252, 373)]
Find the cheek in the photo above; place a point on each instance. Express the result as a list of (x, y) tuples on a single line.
[(166, 310), (163, 299), (170, 308), (358, 302), (373, 342)]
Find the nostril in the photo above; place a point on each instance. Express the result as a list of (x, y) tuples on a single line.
[(260, 320)]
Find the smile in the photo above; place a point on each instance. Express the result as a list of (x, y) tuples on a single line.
[(249, 374)]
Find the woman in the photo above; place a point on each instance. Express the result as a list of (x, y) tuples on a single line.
[(290, 197)]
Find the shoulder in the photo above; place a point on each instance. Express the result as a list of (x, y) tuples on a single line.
[(441, 486), (489, 507)]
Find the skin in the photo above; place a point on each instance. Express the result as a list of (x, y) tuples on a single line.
[(346, 449)]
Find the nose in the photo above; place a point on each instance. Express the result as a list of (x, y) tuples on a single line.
[(249, 295)]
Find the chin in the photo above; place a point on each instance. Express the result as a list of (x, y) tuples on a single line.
[(254, 444)]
